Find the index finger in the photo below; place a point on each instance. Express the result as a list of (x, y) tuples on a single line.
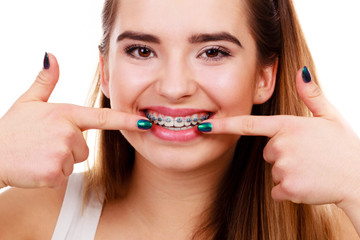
[(247, 125), (104, 118)]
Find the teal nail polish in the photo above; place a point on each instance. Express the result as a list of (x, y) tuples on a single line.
[(306, 75), (144, 124), (205, 127), (46, 61)]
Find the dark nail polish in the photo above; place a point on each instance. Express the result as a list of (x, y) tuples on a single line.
[(205, 127), (46, 61), (144, 124), (306, 75)]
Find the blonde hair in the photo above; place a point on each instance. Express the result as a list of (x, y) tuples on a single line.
[(243, 207)]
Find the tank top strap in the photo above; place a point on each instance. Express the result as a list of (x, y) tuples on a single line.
[(77, 221)]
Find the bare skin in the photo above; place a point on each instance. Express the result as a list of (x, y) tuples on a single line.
[(172, 183), (37, 218), (34, 220), (31, 167), (302, 149), (24, 156)]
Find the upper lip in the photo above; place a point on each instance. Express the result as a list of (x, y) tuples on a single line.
[(180, 112)]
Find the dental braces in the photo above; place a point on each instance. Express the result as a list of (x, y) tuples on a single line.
[(169, 121)]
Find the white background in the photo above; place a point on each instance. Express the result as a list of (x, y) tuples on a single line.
[(71, 30)]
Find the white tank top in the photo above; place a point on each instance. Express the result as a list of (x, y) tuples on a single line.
[(78, 222)]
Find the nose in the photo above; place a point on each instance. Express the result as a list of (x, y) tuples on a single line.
[(176, 82)]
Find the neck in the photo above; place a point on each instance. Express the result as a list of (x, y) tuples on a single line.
[(173, 201)]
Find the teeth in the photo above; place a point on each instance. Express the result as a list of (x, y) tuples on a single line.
[(169, 121), (195, 119), (174, 129), (160, 120), (177, 123), (187, 121), (154, 118)]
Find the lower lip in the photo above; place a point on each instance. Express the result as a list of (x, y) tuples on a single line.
[(175, 136)]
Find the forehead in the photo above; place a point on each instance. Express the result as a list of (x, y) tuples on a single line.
[(180, 17)]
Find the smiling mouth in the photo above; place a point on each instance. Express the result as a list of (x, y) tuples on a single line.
[(176, 123)]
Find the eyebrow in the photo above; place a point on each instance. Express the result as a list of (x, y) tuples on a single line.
[(196, 38), (210, 37), (138, 36)]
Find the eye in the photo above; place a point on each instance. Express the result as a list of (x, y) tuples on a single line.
[(144, 52), (211, 53), (214, 53), (139, 51)]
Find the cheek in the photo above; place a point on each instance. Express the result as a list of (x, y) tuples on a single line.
[(126, 83), (231, 88)]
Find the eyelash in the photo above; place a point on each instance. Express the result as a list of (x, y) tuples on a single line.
[(220, 50), (132, 48), (223, 52)]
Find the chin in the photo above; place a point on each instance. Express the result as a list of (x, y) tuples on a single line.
[(185, 156), (178, 162)]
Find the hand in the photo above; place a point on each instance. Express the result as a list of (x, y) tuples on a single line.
[(316, 160), (40, 142)]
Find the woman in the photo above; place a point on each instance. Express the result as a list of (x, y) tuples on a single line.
[(188, 161)]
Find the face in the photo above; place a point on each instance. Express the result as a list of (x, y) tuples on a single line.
[(179, 61)]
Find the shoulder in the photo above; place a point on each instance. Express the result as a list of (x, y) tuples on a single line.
[(30, 212)]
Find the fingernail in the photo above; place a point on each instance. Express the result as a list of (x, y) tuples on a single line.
[(46, 61), (144, 124), (306, 75), (205, 127)]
